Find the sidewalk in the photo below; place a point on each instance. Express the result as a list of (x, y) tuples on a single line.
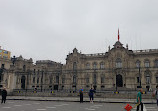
[(76, 99)]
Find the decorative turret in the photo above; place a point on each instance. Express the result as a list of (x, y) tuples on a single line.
[(109, 48), (75, 50), (118, 44), (126, 46)]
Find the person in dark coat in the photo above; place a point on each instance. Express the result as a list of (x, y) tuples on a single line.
[(81, 95), (4, 95), (91, 93)]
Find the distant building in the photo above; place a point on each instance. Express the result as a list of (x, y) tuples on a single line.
[(4, 54), (5, 63)]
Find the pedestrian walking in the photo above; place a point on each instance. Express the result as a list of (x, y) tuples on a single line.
[(91, 93), (155, 94), (139, 100), (4, 95), (81, 95)]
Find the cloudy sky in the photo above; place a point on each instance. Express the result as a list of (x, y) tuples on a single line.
[(50, 29)]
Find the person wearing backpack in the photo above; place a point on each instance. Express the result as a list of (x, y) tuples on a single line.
[(155, 94)]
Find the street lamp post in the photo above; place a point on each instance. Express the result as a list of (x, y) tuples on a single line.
[(13, 59), (42, 81), (1, 72), (139, 77), (138, 66)]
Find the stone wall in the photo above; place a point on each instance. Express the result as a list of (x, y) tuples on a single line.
[(97, 95)]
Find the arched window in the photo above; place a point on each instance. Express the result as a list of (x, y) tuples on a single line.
[(147, 63), (118, 63), (94, 65), (156, 63), (102, 66)]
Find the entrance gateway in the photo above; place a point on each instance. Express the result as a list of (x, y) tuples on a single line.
[(119, 80)]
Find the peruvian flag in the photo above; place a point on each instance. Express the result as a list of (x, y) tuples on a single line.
[(118, 35)]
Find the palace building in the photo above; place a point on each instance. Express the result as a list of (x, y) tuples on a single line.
[(117, 69)]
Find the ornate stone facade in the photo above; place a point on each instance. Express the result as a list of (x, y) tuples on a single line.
[(117, 69)]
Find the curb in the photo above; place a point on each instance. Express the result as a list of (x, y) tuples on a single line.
[(83, 101)]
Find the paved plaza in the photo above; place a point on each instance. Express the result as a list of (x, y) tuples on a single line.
[(23, 105)]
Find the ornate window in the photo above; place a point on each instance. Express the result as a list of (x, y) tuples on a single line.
[(87, 80), (41, 79), (118, 63), (34, 71), (24, 67), (156, 79), (102, 66), (102, 79), (74, 66), (94, 65), (95, 79), (1, 78), (2, 66), (63, 80), (37, 80), (50, 80), (57, 79), (88, 66), (138, 80), (137, 63), (156, 63), (147, 63), (33, 79), (74, 79), (38, 72), (147, 77)]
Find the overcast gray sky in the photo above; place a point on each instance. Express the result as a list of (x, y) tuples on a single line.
[(50, 29)]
